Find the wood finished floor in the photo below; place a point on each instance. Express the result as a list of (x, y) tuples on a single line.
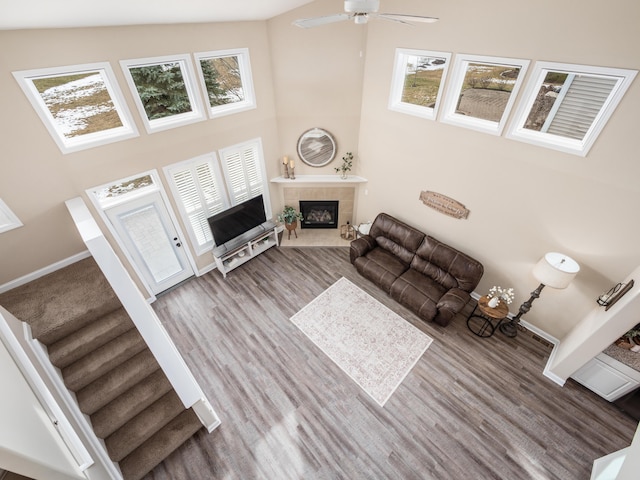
[(471, 408)]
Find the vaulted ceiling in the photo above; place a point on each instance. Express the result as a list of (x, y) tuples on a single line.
[(25, 14)]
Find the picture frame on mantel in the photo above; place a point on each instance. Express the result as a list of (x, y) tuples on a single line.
[(316, 147), (626, 287)]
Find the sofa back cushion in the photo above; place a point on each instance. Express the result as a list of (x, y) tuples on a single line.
[(396, 237), (446, 265)]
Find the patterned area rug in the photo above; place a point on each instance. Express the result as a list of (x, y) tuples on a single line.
[(372, 344)]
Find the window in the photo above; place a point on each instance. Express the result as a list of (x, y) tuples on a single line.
[(80, 105), (566, 106), (199, 187), (8, 220), (164, 91), (418, 76), (204, 186), (244, 173), (482, 92), (226, 79), (124, 190)]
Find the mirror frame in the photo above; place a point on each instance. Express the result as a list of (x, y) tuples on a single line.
[(323, 153)]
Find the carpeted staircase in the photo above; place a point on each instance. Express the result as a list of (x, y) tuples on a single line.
[(106, 363)]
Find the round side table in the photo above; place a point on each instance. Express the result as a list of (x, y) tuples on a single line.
[(481, 321)]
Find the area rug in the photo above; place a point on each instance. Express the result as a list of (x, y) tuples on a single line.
[(372, 344)]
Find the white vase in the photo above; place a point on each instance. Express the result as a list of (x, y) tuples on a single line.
[(493, 302)]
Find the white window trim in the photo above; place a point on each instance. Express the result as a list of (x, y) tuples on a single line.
[(244, 63), (8, 219), (577, 147), (398, 81), (461, 64), (257, 142), (212, 159), (82, 142), (197, 108)]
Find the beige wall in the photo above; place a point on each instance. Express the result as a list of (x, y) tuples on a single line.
[(318, 80), (37, 178), (524, 200)]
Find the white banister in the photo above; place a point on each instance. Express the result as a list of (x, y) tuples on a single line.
[(142, 315)]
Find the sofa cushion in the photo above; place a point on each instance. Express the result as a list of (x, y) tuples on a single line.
[(396, 237), (446, 265), (418, 292), (381, 267)]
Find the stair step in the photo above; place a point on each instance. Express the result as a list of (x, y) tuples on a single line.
[(85, 340), (152, 452), (114, 383), (125, 407), (137, 431), (102, 360), (59, 303)]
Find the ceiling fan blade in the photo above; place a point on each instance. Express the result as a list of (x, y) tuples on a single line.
[(318, 21), (399, 17)]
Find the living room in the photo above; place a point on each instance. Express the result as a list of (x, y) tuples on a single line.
[(524, 200)]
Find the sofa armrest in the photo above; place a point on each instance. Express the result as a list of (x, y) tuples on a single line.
[(450, 305), (361, 246)]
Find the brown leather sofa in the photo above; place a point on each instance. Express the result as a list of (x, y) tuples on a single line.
[(432, 279)]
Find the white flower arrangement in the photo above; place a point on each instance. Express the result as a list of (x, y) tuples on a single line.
[(505, 294)]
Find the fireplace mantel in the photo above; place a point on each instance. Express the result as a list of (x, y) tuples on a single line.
[(305, 179)]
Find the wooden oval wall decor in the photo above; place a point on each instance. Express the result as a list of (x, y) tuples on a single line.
[(444, 204)]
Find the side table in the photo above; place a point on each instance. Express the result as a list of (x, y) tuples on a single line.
[(481, 321)]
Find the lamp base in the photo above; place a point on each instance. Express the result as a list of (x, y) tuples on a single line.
[(510, 329)]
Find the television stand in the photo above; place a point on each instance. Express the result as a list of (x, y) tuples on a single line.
[(245, 247)]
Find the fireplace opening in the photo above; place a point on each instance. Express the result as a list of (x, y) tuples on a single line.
[(319, 213)]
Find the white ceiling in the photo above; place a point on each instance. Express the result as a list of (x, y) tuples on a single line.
[(20, 14)]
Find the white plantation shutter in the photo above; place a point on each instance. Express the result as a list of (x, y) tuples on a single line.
[(243, 172), (201, 191), (581, 104), (244, 180), (197, 185)]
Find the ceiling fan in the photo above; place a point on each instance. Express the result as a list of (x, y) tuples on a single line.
[(361, 11)]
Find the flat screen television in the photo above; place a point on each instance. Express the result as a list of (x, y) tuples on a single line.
[(237, 220)]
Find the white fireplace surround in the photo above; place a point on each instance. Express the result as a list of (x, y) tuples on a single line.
[(304, 179)]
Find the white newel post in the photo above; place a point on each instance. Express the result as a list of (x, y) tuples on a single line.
[(142, 315)]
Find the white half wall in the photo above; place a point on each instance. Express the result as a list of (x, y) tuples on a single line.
[(596, 331), (29, 442)]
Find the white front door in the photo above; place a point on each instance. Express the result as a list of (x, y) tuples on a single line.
[(148, 234)]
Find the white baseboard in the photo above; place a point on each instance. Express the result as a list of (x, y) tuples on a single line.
[(30, 277)]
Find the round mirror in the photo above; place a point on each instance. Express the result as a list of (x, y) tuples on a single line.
[(316, 147)]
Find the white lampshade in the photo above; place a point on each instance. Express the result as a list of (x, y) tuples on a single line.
[(556, 270)]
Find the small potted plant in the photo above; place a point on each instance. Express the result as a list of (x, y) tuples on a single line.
[(290, 218), (347, 162), (497, 294)]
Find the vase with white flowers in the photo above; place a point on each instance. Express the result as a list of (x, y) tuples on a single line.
[(347, 162), (498, 294)]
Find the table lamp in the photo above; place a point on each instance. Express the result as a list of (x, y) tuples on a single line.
[(554, 270)]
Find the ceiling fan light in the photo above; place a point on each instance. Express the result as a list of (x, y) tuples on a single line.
[(361, 19)]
